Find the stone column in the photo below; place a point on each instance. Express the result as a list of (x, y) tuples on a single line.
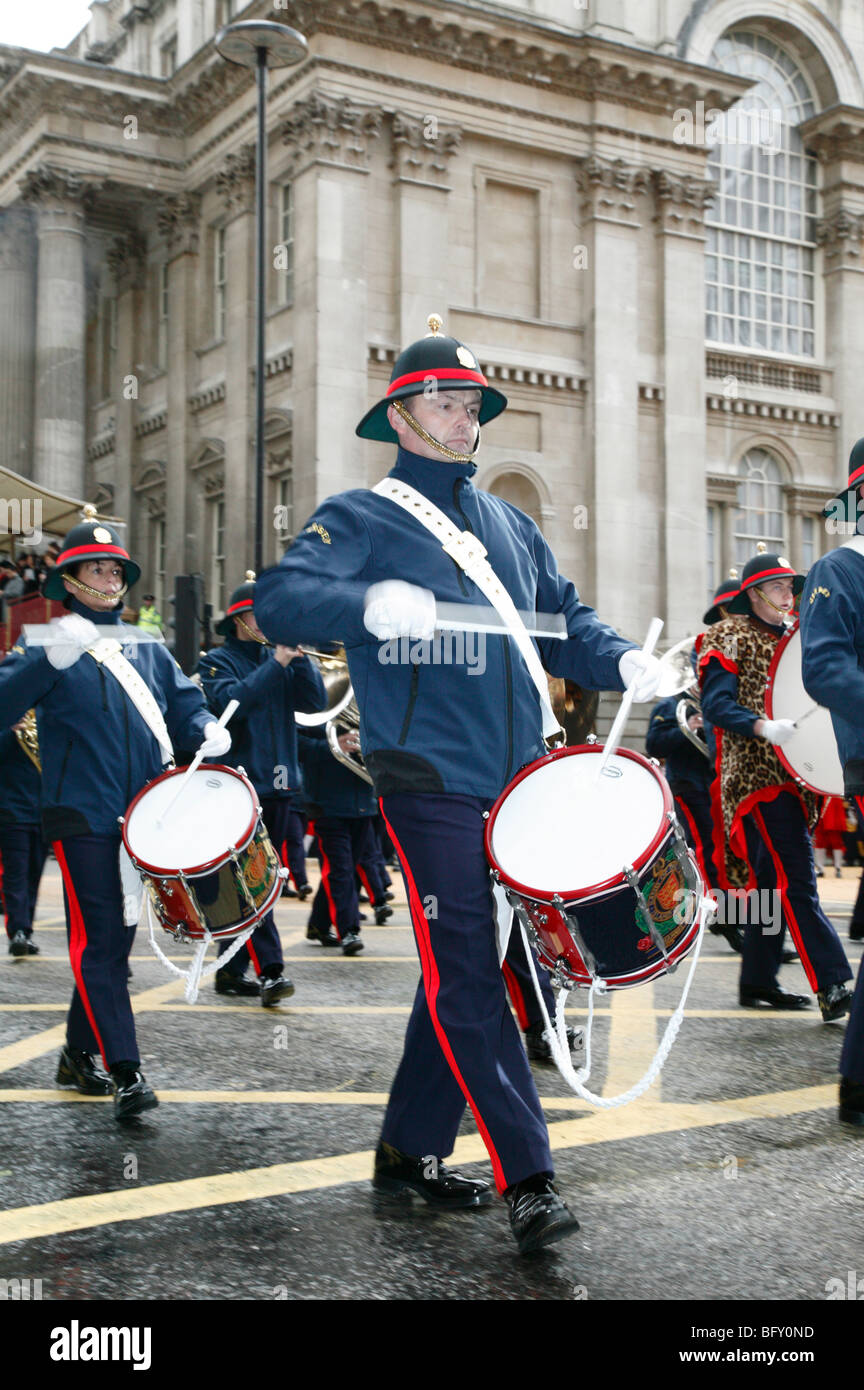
[(126, 261), (58, 198), (610, 225), (178, 222), (680, 222), (17, 338), (236, 185), (841, 236), (423, 147), (330, 139)]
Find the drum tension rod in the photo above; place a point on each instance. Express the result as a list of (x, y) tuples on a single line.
[(650, 925), (572, 923)]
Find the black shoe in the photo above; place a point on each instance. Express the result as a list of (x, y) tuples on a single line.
[(538, 1216), (776, 997), (387, 896), (288, 891), (32, 948), (397, 1175), (851, 1102), (538, 1048), (381, 914), (787, 957), (133, 1095), (362, 917), (275, 988), (835, 1002), (77, 1070), (328, 938), (304, 891), (18, 945), (235, 984), (351, 944), (856, 932)]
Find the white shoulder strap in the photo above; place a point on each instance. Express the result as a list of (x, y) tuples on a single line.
[(108, 652), (470, 554), (856, 543)]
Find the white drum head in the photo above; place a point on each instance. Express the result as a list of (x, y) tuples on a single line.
[(559, 830), (211, 817), (811, 753)]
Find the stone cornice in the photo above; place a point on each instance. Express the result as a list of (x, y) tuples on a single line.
[(206, 395), (522, 375), (152, 423), (423, 147), (765, 410), (322, 129), (32, 94), (836, 134)]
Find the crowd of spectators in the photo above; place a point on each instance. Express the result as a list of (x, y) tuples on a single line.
[(26, 574)]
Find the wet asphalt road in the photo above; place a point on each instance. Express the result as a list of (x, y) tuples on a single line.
[(730, 1180)]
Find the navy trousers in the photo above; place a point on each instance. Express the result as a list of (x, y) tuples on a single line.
[(341, 843), (22, 852), (852, 1056), (286, 828), (781, 856), (100, 1016), (693, 805), (462, 1044), (520, 986), (264, 948)]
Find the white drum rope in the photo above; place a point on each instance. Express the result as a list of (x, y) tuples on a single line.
[(197, 971), (557, 1036)]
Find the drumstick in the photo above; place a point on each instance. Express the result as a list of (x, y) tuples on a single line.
[(806, 714), (621, 717), (193, 766)]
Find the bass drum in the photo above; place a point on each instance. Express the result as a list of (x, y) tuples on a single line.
[(598, 871), (811, 754)]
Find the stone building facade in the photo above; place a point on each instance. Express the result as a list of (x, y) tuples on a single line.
[(671, 297)]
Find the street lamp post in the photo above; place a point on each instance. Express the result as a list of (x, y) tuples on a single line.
[(260, 45)]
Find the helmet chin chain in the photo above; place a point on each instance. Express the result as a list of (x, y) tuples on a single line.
[(254, 635), (427, 438), (95, 593), (785, 613)]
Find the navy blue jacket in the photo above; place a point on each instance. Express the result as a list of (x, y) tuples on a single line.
[(20, 784), (832, 644), (263, 731), (332, 789), (96, 751), (684, 762), (427, 724)]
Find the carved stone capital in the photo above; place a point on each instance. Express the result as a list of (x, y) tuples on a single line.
[(127, 261), (841, 236), (423, 147), (610, 188), (331, 130), (681, 201), (235, 181), (179, 223), (59, 196)]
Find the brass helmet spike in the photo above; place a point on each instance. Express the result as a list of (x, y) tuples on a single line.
[(436, 323), (88, 512), (250, 576), (733, 573), (761, 548)]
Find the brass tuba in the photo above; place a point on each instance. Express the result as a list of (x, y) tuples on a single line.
[(26, 733), (342, 715)]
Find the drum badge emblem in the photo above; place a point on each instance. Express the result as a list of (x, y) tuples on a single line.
[(663, 895)]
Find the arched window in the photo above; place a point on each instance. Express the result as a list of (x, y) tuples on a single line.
[(516, 488), (761, 514), (761, 228)]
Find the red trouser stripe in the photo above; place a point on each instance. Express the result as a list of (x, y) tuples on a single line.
[(253, 955), (77, 942), (365, 881), (431, 983), (325, 879), (783, 886), (516, 995), (698, 849)]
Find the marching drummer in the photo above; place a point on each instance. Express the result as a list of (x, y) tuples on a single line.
[(832, 640), (104, 726), (766, 814), (441, 740), (270, 684)]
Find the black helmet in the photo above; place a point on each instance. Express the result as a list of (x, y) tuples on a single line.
[(91, 539), (848, 496), (723, 594), (242, 599), (763, 566), (447, 362)]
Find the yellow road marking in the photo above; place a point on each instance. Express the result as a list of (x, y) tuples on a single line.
[(632, 1038), (220, 1189)]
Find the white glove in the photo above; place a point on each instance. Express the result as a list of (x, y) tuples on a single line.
[(778, 730), (643, 672), (397, 609), (216, 740), (74, 635)]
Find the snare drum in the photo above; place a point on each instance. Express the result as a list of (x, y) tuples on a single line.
[(811, 754), (598, 871), (211, 865)]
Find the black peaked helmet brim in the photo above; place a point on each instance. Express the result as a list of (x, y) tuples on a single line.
[(439, 363)]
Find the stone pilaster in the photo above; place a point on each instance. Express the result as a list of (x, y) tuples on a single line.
[(680, 202), (330, 141), (18, 338), (126, 259), (179, 225), (235, 184), (423, 148), (58, 197), (612, 192), (841, 236)]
